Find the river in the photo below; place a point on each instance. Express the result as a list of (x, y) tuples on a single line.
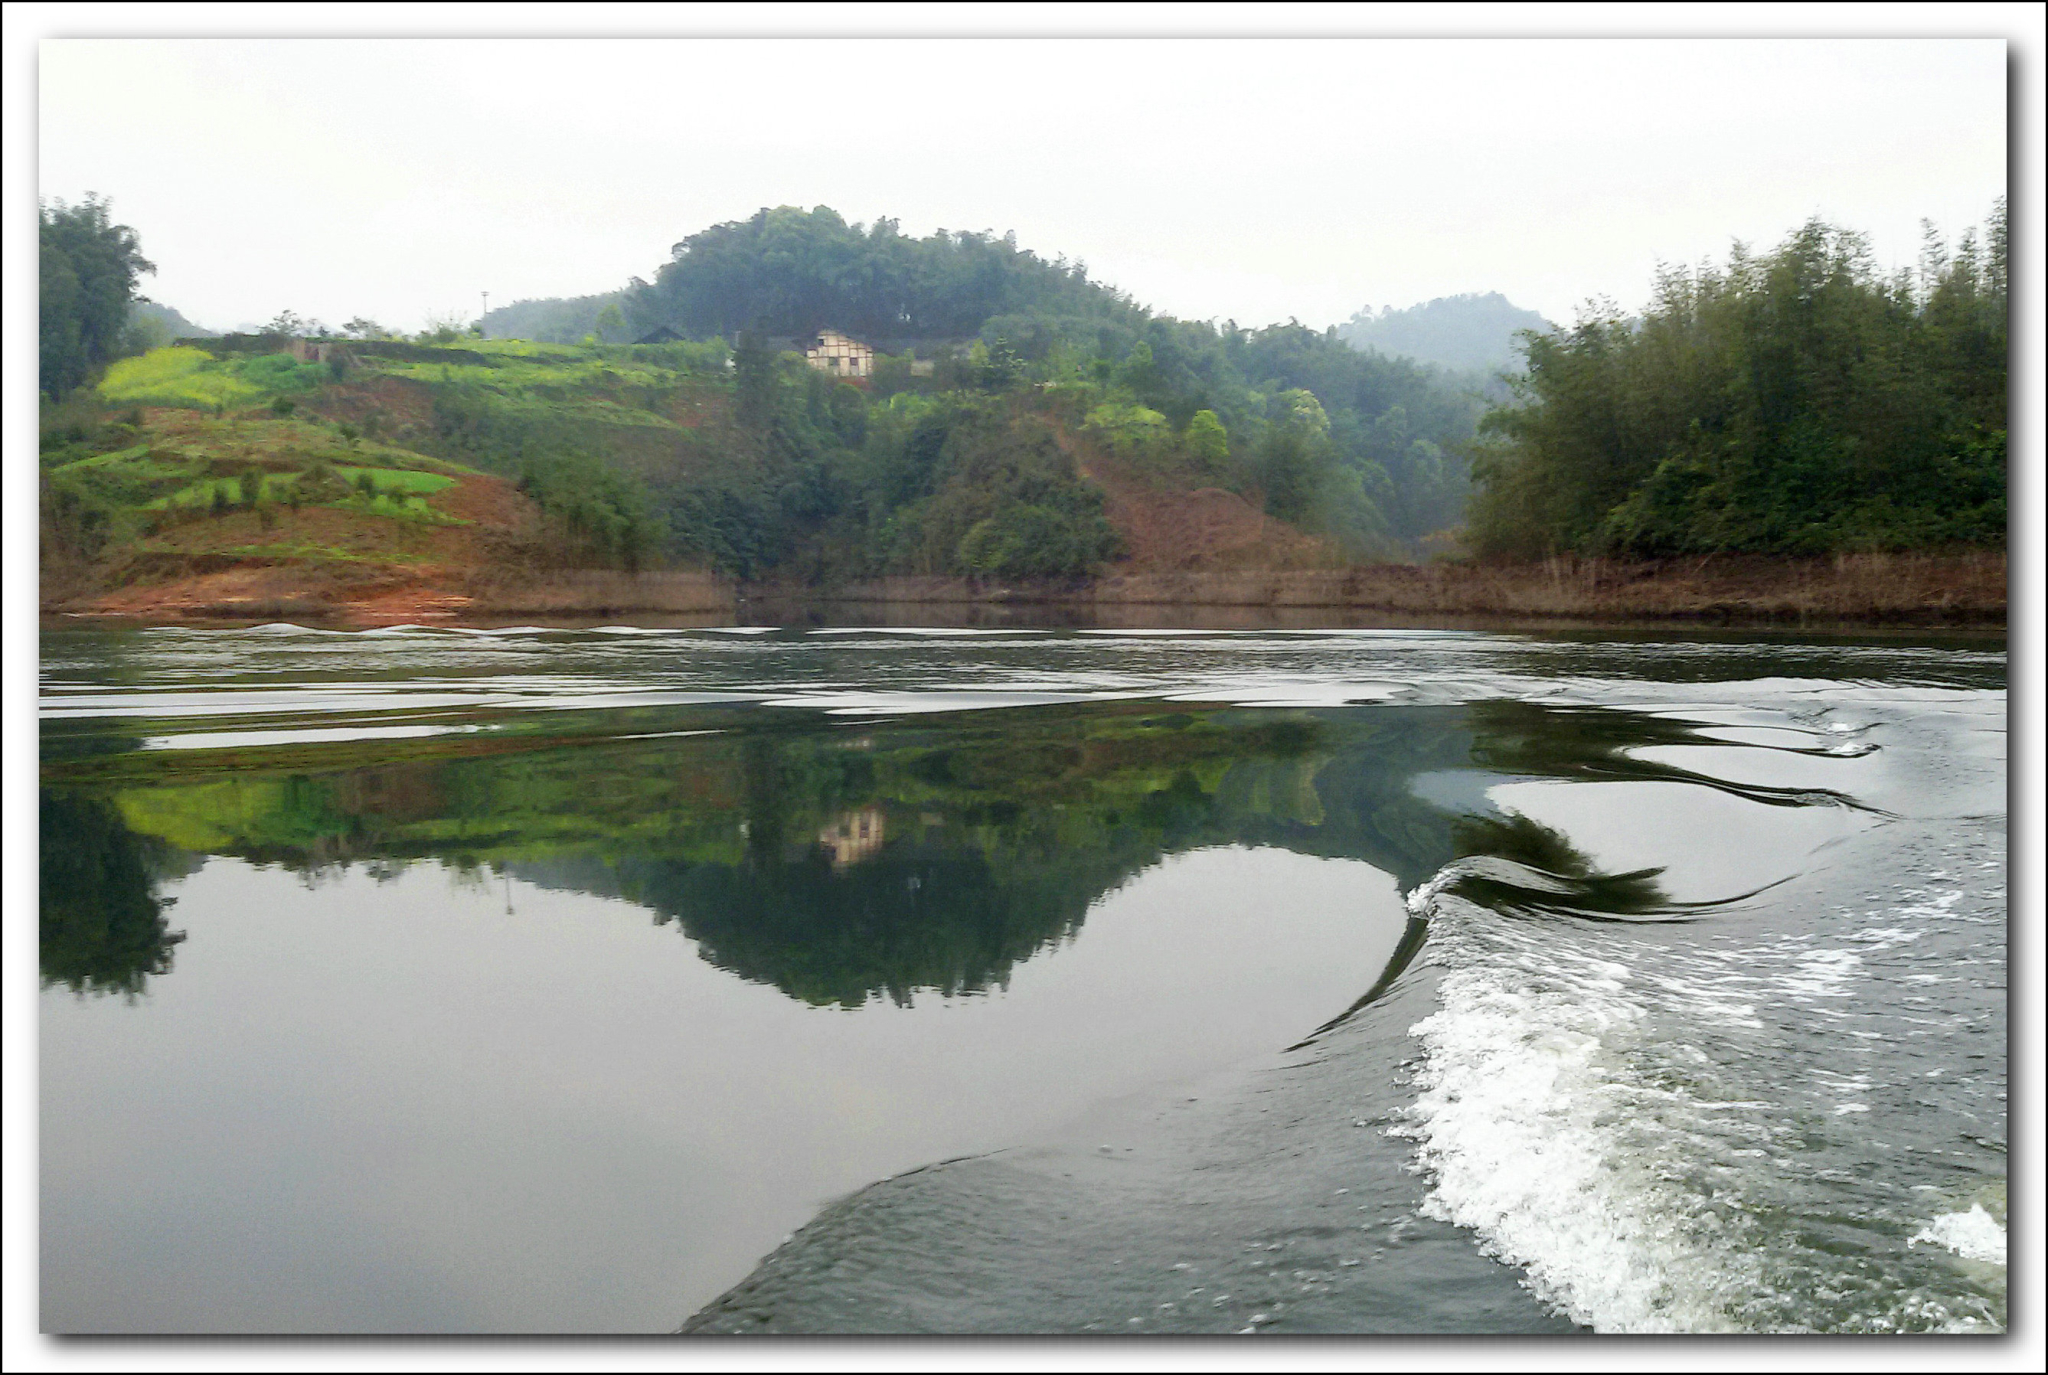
[(623, 979)]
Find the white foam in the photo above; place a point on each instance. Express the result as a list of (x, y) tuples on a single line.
[(287, 628), (1974, 1235), (1821, 974), (251, 739), (908, 703), (1576, 1089), (925, 632), (1296, 694), (1519, 1119)]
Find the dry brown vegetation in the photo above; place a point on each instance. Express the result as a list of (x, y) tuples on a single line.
[(1166, 527), (599, 592), (1929, 589)]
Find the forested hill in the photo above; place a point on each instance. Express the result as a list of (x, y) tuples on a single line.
[(786, 270), (558, 320), (1470, 333), (1360, 450)]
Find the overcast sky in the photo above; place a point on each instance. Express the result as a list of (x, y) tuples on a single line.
[(1235, 178)]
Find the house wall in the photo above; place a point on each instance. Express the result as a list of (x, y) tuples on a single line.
[(840, 356)]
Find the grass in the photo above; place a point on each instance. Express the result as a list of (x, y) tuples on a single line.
[(607, 385), (278, 489), (308, 552), (120, 458), (410, 482), (517, 375), (193, 460), (409, 508), (522, 348)]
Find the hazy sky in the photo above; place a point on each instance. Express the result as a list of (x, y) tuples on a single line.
[(1239, 178)]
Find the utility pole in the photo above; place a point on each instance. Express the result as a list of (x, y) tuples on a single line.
[(487, 309)]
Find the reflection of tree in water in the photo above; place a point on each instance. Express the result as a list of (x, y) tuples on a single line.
[(1535, 868), (102, 928), (916, 915), (843, 865), (968, 866)]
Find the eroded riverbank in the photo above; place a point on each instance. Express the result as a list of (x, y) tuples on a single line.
[(1871, 590)]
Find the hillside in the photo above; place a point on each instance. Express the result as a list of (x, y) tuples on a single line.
[(250, 485), (250, 508), (407, 480), (1377, 469), (1012, 422)]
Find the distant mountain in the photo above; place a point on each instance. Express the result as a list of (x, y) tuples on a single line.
[(1470, 332), (552, 320), (152, 322)]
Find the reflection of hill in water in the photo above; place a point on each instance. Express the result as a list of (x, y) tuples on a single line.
[(916, 915), (841, 865), (991, 841)]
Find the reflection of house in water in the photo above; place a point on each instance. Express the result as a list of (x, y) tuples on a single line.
[(853, 837)]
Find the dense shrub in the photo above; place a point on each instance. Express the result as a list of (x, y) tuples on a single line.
[(1795, 402)]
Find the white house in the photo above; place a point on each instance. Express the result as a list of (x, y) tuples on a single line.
[(830, 351)]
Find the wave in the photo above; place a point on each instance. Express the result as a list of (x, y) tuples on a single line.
[(1651, 1129), (1528, 1111)]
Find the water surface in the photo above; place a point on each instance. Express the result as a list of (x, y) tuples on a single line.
[(871, 980)]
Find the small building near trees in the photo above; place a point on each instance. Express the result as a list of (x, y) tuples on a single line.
[(831, 352), (312, 350)]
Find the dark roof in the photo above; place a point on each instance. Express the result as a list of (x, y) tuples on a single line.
[(661, 334)]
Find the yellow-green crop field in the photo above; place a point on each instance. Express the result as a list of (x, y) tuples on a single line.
[(176, 376), (183, 376)]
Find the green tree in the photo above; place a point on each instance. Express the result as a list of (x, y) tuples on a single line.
[(755, 380), (1001, 366), (1294, 458), (443, 327), (87, 270), (1207, 442)]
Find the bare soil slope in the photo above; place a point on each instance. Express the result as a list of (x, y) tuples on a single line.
[(1171, 529)]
